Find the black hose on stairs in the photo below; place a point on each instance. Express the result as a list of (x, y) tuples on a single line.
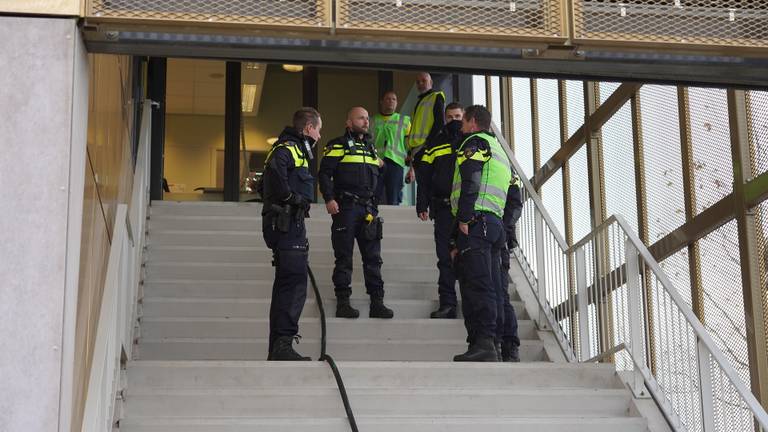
[(327, 358)]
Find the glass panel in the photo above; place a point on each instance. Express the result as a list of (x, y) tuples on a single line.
[(194, 130), (549, 118), (495, 104), (575, 96), (521, 110), (478, 90)]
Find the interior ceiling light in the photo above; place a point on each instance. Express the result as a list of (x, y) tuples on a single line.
[(252, 65), (271, 140), (249, 97), (293, 68)]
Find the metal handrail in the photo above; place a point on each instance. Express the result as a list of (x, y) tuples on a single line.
[(636, 254)]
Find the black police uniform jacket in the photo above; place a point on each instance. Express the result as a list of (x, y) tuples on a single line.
[(434, 169), (350, 164), (286, 177)]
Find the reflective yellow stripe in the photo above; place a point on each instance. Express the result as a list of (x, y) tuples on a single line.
[(360, 159), (436, 152), (335, 153), (298, 157)]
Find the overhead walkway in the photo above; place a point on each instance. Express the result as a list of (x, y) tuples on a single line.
[(694, 41)]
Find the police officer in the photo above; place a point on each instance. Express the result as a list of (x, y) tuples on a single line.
[(478, 197), (287, 189), (348, 175), (427, 119), (507, 340), (434, 175), (389, 131)]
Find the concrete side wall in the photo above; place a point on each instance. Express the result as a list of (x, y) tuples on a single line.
[(43, 106)]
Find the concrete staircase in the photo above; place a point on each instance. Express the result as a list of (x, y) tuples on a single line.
[(198, 365)]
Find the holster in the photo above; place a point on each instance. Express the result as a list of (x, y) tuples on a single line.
[(282, 217)]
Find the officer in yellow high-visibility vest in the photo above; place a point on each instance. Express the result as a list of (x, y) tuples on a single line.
[(389, 129), (478, 197), (427, 119)]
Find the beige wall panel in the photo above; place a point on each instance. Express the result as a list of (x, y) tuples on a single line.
[(93, 262), (108, 138), (403, 82), (108, 181), (43, 7), (340, 89)]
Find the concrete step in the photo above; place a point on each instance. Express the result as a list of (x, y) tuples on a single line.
[(424, 402), (259, 307), (230, 209), (264, 270), (387, 424), (318, 225), (439, 375), (396, 241), (341, 349), (260, 253), (263, 289), (361, 328)]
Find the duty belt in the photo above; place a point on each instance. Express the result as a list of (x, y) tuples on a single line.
[(446, 202), (350, 197)]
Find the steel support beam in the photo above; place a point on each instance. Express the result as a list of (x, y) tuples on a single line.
[(535, 135), (562, 94), (594, 121), (748, 246), (232, 119), (689, 188)]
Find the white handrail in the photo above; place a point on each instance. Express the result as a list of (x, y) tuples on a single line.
[(118, 312), (545, 285)]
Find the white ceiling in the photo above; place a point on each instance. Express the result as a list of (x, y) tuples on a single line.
[(197, 86)]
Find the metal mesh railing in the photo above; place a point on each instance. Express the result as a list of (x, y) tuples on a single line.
[(758, 129), (722, 22), (535, 18), (283, 13), (710, 136), (605, 314)]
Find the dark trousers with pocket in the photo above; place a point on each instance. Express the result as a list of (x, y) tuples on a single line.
[(289, 290), (446, 281), (480, 262), (349, 225), (507, 324)]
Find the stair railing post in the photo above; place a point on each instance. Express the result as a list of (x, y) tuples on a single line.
[(705, 387), (583, 304), (541, 273), (636, 322)]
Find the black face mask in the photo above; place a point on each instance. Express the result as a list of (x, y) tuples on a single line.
[(453, 127)]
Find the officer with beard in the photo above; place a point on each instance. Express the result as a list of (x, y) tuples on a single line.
[(288, 187), (434, 176), (348, 176)]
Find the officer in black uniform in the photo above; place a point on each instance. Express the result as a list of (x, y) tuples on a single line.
[(507, 340), (434, 178), (288, 188), (348, 175)]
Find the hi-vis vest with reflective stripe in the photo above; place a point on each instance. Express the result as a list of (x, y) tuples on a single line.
[(389, 136), (352, 151), (298, 157), (423, 119), (435, 152), (494, 180)]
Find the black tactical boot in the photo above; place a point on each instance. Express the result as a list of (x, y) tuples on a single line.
[(378, 310), (509, 352), (344, 309), (444, 312), (483, 350), (282, 350)]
